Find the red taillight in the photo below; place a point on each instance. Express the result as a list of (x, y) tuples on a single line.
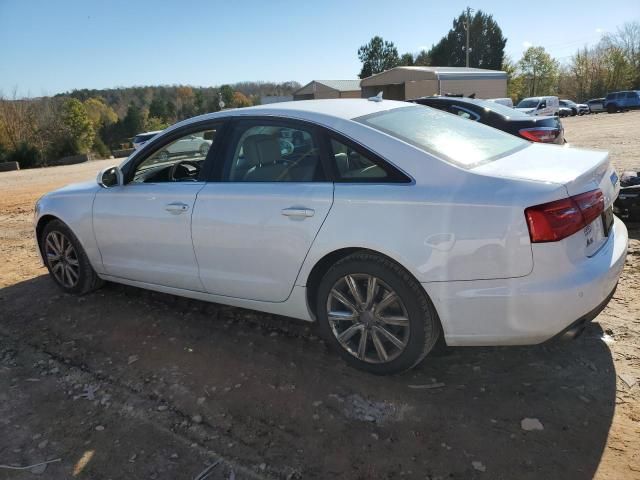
[(554, 221), (540, 134)]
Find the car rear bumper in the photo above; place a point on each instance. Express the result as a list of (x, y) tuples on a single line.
[(530, 309)]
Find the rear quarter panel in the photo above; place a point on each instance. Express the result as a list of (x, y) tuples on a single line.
[(450, 224)]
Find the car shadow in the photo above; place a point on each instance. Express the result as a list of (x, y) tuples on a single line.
[(459, 414)]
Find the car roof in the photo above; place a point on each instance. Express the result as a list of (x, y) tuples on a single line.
[(319, 111), (149, 133)]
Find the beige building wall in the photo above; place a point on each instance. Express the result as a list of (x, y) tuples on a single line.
[(489, 88), (350, 94), (420, 88)]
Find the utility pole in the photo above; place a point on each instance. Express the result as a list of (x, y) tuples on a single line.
[(467, 27)]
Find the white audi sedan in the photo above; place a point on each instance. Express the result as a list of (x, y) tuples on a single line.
[(390, 224)]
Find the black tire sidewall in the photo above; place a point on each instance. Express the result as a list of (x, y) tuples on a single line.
[(419, 320), (87, 277)]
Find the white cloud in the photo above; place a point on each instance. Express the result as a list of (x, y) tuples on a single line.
[(527, 44)]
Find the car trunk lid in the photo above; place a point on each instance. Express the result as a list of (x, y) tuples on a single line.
[(578, 170)]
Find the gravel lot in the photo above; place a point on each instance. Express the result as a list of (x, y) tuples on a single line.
[(124, 383)]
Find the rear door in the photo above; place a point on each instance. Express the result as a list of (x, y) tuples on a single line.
[(253, 226)]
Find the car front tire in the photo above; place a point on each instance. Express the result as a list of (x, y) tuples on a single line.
[(66, 260), (376, 315)]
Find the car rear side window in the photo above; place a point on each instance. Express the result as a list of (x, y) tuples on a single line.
[(274, 153), (463, 143)]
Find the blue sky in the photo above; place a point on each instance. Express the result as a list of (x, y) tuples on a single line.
[(47, 47)]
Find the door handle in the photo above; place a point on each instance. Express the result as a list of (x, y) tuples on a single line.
[(298, 212), (176, 208)]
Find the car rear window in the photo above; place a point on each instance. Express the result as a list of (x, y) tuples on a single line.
[(459, 141)]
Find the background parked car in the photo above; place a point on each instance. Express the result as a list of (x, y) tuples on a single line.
[(564, 111), (596, 105), (576, 108), (539, 105), (536, 129), (507, 102), (628, 202), (620, 101), (142, 138)]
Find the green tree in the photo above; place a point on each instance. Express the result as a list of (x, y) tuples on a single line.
[(377, 56), (99, 113), (158, 108), (78, 126), (539, 71), (406, 60), (422, 59), (155, 123), (227, 95), (486, 43), (133, 123), (514, 79)]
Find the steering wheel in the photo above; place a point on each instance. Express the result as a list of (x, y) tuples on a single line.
[(174, 168), (286, 147)]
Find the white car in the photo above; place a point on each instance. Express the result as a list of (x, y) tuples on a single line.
[(142, 138), (391, 224), (536, 106)]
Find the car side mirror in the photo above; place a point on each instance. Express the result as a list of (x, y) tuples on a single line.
[(110, 177)]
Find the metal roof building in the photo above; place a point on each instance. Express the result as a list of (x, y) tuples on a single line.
[(318, 89), (405, 83)]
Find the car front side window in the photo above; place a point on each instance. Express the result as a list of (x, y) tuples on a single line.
[(179, 160)]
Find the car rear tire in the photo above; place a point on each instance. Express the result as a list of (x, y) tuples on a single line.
[(376, 315), (66, 260)]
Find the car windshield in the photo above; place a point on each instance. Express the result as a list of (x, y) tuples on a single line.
[(459, 141), (528, 103)]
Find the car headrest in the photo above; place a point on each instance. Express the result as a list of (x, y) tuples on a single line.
[(261, 150)]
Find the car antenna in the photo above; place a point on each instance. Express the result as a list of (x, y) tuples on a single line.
[(377, 98)]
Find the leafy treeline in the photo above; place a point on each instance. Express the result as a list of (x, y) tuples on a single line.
[(486, 48), (613, 64), (34, 131)]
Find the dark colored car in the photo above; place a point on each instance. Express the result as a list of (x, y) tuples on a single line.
[(628, 202), (534, 129)]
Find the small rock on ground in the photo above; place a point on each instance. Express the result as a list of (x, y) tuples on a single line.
[(529, 424)]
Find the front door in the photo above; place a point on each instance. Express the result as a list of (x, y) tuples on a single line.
[(253, 229), (143, 228)]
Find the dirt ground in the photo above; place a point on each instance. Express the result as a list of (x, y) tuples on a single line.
[(125, 383)]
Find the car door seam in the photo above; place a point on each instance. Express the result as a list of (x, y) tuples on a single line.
[(193, 247)]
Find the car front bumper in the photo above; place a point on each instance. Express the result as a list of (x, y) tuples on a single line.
[(531, 309)]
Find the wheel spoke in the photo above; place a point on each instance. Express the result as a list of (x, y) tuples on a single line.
[(58, 271), (382, 352), (345, 336), (344, 300), (73, 275), (73, 262), (390, 336), (335, 316), (69, 250), (394, 320), (353, 288), (57, 241), (362, 346), (53, 257), (51, 245), (372, 285), (388, 299)]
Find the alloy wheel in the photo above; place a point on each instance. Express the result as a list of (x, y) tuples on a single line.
[(368, 318), (62, 259)]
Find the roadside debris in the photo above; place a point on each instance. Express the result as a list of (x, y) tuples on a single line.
[(529, 424), (206, 472), (427, 386), (36, 468), (479, 466), (629, 379)]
